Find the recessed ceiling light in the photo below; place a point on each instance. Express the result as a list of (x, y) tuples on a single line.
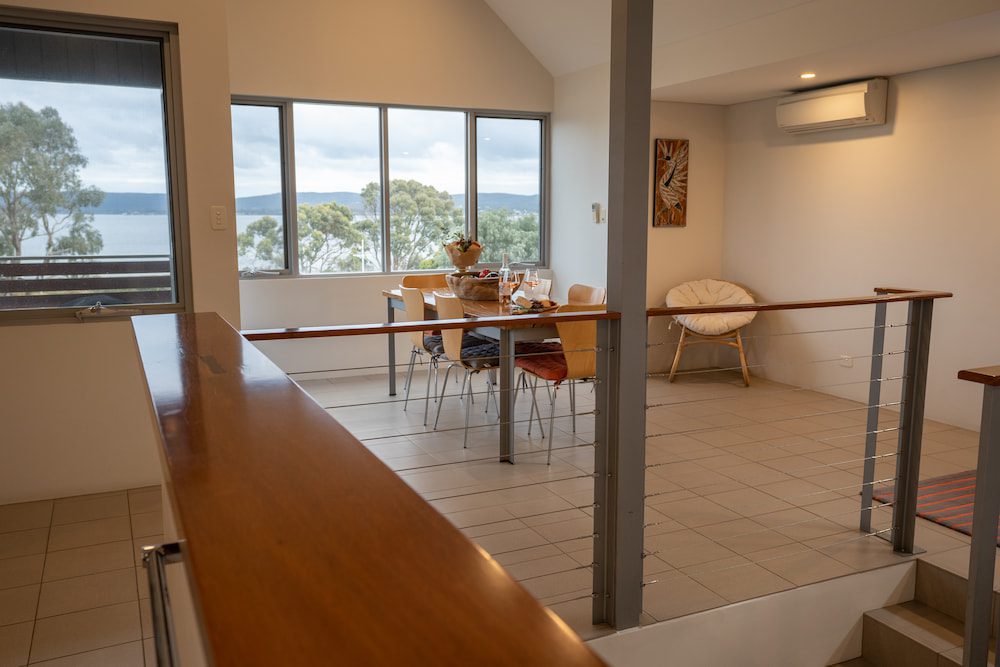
[(807, 75)]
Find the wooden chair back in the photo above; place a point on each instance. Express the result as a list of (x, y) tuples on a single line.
[(449, 307), (413, 302), (579, 294), (425, 281), (579, 340)]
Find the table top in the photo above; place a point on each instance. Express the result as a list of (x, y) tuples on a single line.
[(472, 308), (301, 546)]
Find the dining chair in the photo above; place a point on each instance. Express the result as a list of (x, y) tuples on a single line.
[(585, 294), (576, 360), (425, 281), (423, 343), (472, 359), (544, 287)]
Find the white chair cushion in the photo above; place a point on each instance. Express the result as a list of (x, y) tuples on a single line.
[(709, 292)]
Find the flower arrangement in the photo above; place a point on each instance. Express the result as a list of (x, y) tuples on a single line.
[(463, 252)]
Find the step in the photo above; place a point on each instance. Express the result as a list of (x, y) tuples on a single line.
[(911, 634), (857, 662), (942, 588)]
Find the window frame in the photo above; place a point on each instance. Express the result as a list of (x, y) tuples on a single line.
[(290, 203), (174, 156)]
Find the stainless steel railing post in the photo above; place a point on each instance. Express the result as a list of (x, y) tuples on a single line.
[(982, 552), (155, 560), (911, 425)]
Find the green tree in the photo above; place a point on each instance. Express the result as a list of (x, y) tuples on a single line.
[(333, 238), (40, 188), (503, 231), (422, 218)]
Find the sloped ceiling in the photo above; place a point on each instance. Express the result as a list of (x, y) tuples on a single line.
[(729, 51)]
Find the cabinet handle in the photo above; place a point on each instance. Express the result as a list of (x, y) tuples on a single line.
[(155, 559)]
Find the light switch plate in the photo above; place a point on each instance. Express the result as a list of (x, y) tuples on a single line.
[(218, 215)]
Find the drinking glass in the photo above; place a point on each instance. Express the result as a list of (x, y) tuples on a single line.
[(530, 282)]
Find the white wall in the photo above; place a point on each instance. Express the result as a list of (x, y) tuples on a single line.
[(74, 416), (912, 204), (580, 177), (435, 53)]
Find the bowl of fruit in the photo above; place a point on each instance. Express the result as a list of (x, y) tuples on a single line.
[(484, 286)]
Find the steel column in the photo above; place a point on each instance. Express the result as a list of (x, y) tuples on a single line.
[(605, 441), (390, 317), (911, 425), (874, 399), (628, 219), (982, 553), (507, 400)]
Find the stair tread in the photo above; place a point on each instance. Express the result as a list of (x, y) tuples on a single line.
[(857, 662), (929, 627)]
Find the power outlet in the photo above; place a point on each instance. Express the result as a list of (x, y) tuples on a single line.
[(847, 361), (218, 216)]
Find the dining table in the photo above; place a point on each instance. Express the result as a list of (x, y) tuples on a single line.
[(508, 335)]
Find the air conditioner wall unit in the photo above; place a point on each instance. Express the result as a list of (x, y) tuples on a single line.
[(850, 105)]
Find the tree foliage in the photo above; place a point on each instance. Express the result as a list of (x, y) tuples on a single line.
[(41, 193), (335, 239)]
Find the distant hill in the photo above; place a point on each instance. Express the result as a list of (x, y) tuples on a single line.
[(147, 203)]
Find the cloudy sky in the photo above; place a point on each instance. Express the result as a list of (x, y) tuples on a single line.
[(120, 130)]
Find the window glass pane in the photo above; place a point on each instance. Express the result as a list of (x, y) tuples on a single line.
[(427, 185), (338, 179), (84, 198), (508, 180), (259, 187)]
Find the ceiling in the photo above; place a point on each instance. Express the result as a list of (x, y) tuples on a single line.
[(730, 51)]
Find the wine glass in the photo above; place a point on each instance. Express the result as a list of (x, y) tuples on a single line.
[(530, 282)]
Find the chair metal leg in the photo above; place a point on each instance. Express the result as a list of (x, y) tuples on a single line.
[(677, 355), (572, 402), (444, 390), (427, 395), (552, 417), (409, 377), (534, 407), (468, 409)]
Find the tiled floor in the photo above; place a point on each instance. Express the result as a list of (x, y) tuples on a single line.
[(72, 589), (751, 491)]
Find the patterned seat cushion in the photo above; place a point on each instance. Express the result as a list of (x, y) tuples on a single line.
[(435, 344), (545, 360), (483, 355), (710, 292)]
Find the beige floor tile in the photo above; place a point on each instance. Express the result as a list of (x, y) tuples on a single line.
[(696, 512), (749, 502), (15, 642), (741, 582), (799, 524), (146, 618), (80, 593), (744, 536), (83, 631), (801, 565), (25, 516), (123, 655), (23, 543), (21, 571), (87, 533), (146, 524), (18, 604), (572, 582), (684, 548), (674, 594), (511, 541), (543, 566), (88, 509), (577, 614), (88, 560), (149, 651), (149, 499)]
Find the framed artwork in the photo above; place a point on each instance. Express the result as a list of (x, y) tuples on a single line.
[(670, 174)]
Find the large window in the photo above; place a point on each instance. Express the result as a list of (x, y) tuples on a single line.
[(375, 188), (87, 209)]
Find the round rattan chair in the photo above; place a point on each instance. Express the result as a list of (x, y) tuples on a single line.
[(711, 328)]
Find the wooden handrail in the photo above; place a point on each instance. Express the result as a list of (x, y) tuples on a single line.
[(301, 546), (988, 375), (423, 325), (887, 295)]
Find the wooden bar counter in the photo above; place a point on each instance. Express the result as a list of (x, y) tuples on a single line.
[(301, 547)]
